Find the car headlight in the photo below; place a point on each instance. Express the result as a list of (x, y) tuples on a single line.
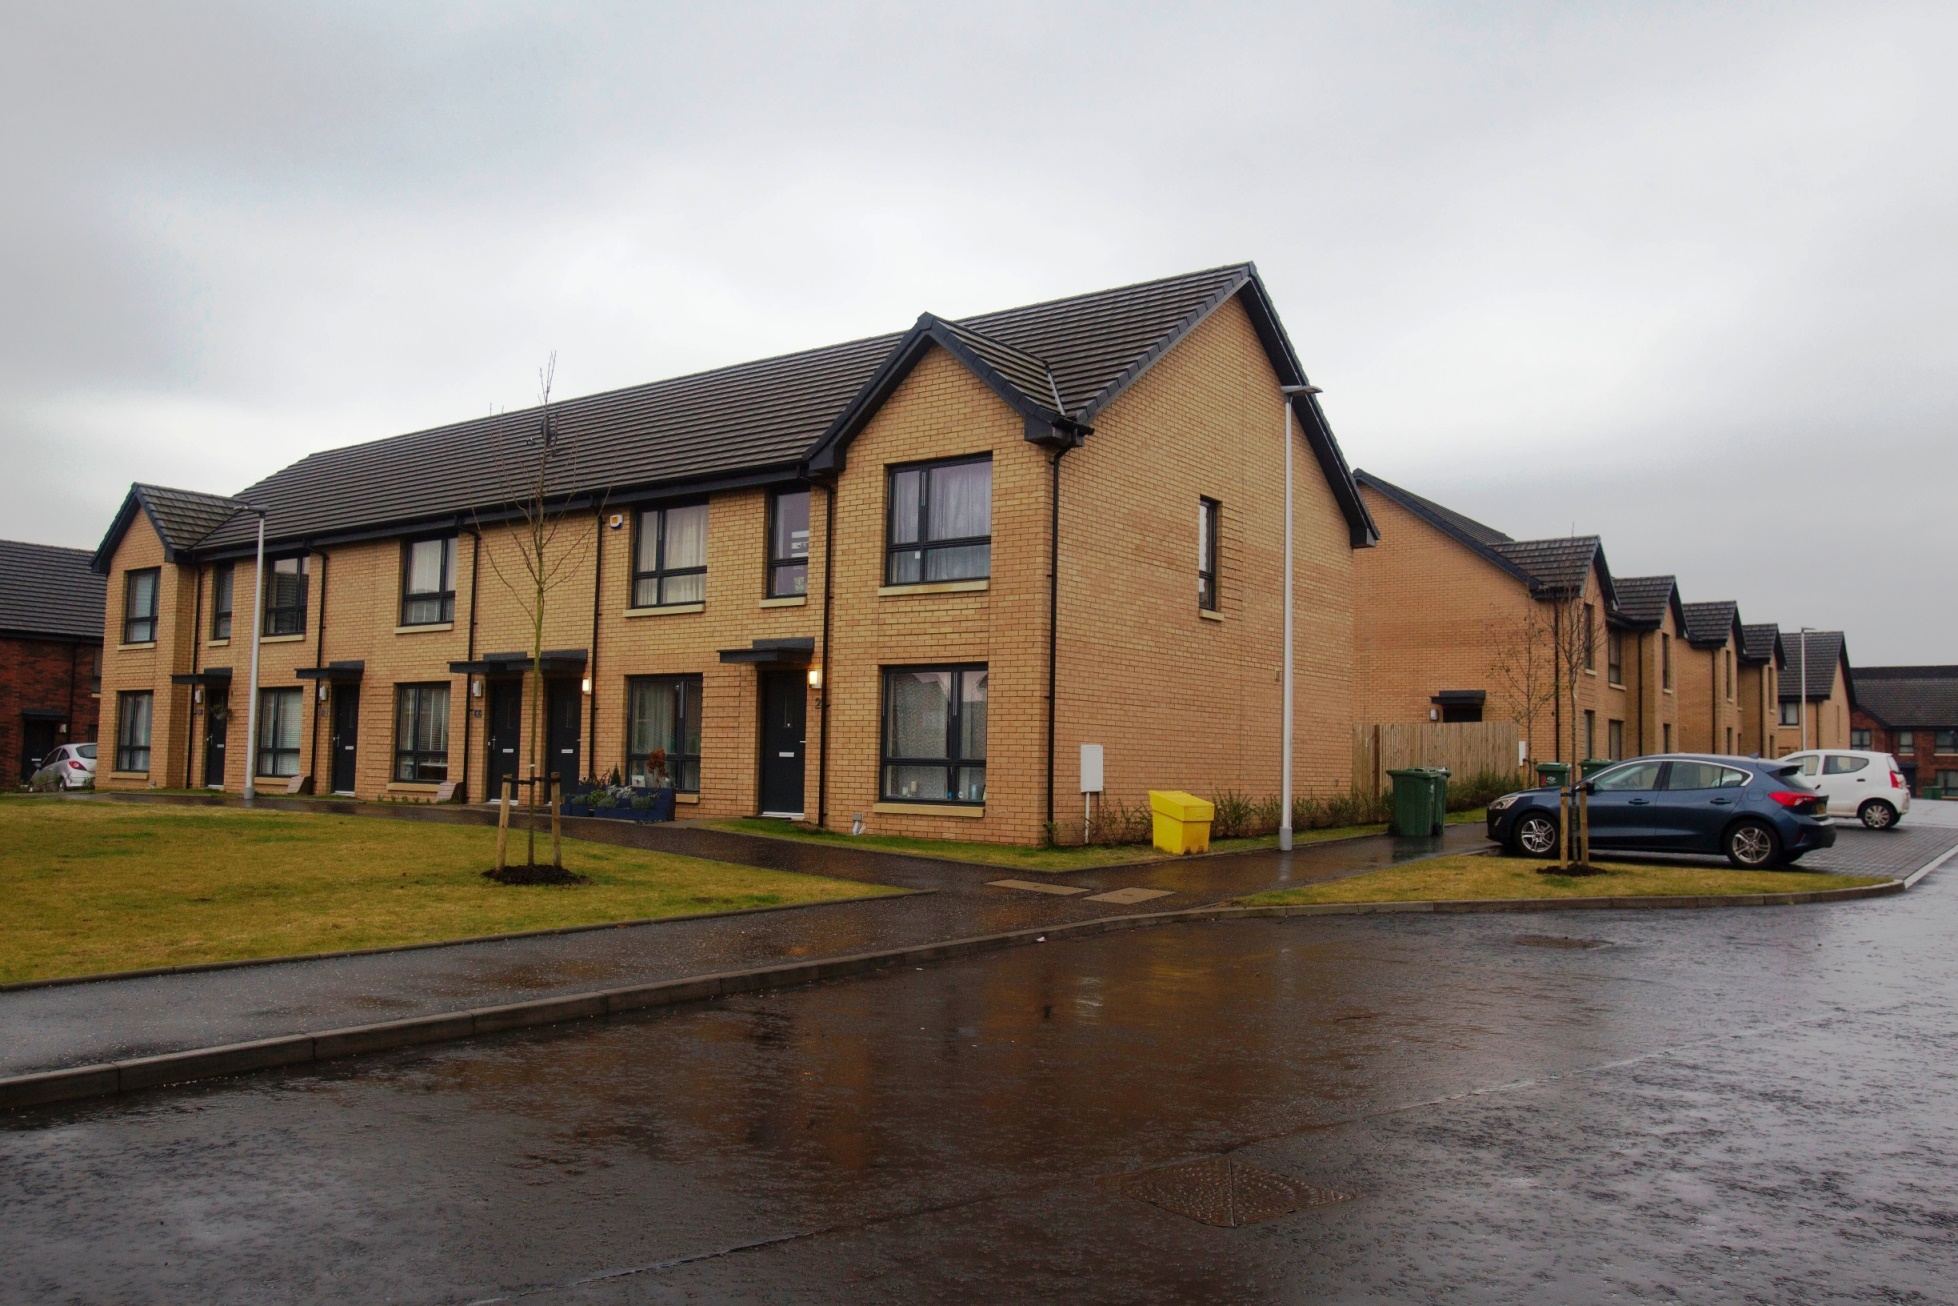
[(1506, 801)]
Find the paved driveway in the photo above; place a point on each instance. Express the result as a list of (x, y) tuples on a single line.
[(1718, 1106)]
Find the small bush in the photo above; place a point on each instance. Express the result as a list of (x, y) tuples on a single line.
[(1469, 792), (642, 803), (603, 799), (1233, 816)]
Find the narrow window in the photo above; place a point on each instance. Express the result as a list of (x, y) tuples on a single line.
[(1730, 741), (421, 733), (428, 582), (285, 599), (139, 607), (1590, 734), (669, 561), (221, 601), (1665, 736), (941, 523), (935, 734), (1665, 659), (1208, 511), (1614, 651), (663, 716), (278, 732), (1614, 733), (133, 730), (788, 544), (1590, 638), (1730, 673)]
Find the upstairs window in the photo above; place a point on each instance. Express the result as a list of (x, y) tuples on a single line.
[(428, 582), (669, 559), (1860, 739), (1208, 511), (1590, 638), (1906, 741), (1614, 655), (221, 601), (1946, 741), (285, 599), (1665, 659), (1730, 673), (788, 544), (941, 523), (139, 606), (1791, 713)]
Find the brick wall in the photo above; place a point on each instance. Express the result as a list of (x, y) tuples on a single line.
[(1710, 718), (45, 675)]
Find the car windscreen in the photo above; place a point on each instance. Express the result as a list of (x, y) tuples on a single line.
[(88, 751)]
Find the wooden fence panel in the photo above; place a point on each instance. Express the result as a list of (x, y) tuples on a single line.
[(1466, 748)]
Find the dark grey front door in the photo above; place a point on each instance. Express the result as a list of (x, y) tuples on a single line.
[(784, 720), (566, 704), (504, 734), (217, 731), (346, 736), (37, 740)]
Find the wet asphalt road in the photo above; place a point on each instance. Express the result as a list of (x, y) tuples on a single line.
[(1731, 1105)]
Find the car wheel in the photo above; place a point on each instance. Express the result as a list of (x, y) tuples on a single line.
[(1752, 846), (1535, 835), (1877, 814)]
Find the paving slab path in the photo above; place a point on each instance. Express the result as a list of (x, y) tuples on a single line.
[(82, 1024)]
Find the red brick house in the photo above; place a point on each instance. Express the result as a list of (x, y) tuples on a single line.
[(50, 652), (1912, 714)]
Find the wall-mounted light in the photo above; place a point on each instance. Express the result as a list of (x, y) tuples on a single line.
[(616, 520), (475, 687), (197, 694), (585, 684), (322, 691), (815, 677)]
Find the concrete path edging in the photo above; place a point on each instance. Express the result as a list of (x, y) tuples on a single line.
[(111, 1078), (193, 967)]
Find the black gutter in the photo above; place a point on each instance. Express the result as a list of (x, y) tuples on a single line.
[(591, 667), (475, 561), (822, 695), (196, 630)]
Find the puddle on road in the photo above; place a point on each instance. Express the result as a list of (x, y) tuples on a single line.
[(1558, 941)]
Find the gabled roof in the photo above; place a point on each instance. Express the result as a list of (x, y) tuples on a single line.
[(1552, 568), (1058, 363), (1758, 643), (49, 591), (183, 520), (1643, 600), (1710, 625), (1826, 650), (1910, 698)]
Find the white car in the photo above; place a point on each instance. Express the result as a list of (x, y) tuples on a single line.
[(1867, 786), (71, 766)]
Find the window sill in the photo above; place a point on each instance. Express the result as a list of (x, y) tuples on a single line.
[(413, 786), (787, 601), (132, 648), (1615, 684), (1590, 673), (218, 643), (425, 627), (936, 587), (670, 610), (686, 798), (927, 809), (129, 775), (300, 638), (1208, 615)]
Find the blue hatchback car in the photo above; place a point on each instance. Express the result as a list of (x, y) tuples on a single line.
[(1757, 812)]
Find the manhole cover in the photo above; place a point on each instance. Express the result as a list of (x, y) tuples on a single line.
[(1559, 941), (1221, 1191)]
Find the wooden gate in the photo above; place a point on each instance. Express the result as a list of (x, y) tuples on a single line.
[(1466, 748)]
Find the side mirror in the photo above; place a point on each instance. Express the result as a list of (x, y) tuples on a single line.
[(1589, 787)]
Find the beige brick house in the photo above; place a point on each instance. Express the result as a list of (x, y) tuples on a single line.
[(901, 579), (1830, 690), (1760, 690), (1709, 681), (1450, 610)]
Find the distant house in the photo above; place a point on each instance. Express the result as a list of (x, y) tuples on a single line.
[(50, 652), (1760, 690), (1912, 714), (1710, 719), (1442, 601), (1829, 690)]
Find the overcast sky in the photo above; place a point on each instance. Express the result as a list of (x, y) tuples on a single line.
[(1680, 275)]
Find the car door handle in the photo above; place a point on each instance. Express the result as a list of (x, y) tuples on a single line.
[(1640, 802), (1722, 802)]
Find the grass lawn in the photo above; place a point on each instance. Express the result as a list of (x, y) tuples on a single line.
[(1051, 860), (1452, 879), (100, 886)]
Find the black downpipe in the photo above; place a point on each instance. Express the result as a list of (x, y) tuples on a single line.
[(1557, 678), (196, 634), (475, 556), (822, 695), (1053, 621), (319, 660), (591, 663)]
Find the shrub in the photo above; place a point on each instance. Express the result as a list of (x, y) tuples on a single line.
[(642, 803), (1233, 816), (603, 799), (1474, 791)]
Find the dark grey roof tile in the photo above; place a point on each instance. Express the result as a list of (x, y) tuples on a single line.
[(49, 590)]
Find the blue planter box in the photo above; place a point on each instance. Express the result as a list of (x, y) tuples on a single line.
[(661, 809)]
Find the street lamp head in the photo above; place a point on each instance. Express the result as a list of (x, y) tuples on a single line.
[(1299, 390)]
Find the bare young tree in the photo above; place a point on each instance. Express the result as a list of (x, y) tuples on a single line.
[(1539, 662), (1523, 671), (539, 512)]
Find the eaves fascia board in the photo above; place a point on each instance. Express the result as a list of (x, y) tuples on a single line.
[(48, 636)]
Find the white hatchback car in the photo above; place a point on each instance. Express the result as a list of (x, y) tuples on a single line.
[(71, 766), (1867, 786)]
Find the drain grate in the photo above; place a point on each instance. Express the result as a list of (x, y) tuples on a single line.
[(1222, 1191)]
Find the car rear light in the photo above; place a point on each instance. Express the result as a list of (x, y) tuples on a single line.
[(1896, 779), (1790, 799), (77, 765)]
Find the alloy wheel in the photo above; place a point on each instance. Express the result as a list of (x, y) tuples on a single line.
[(1537, 835), (1751, 845)]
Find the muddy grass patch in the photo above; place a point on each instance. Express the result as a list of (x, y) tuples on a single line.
[(535, 873)]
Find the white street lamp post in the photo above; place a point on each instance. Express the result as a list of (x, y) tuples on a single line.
[(251, 703), (1801, 704), (1285, 763)]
